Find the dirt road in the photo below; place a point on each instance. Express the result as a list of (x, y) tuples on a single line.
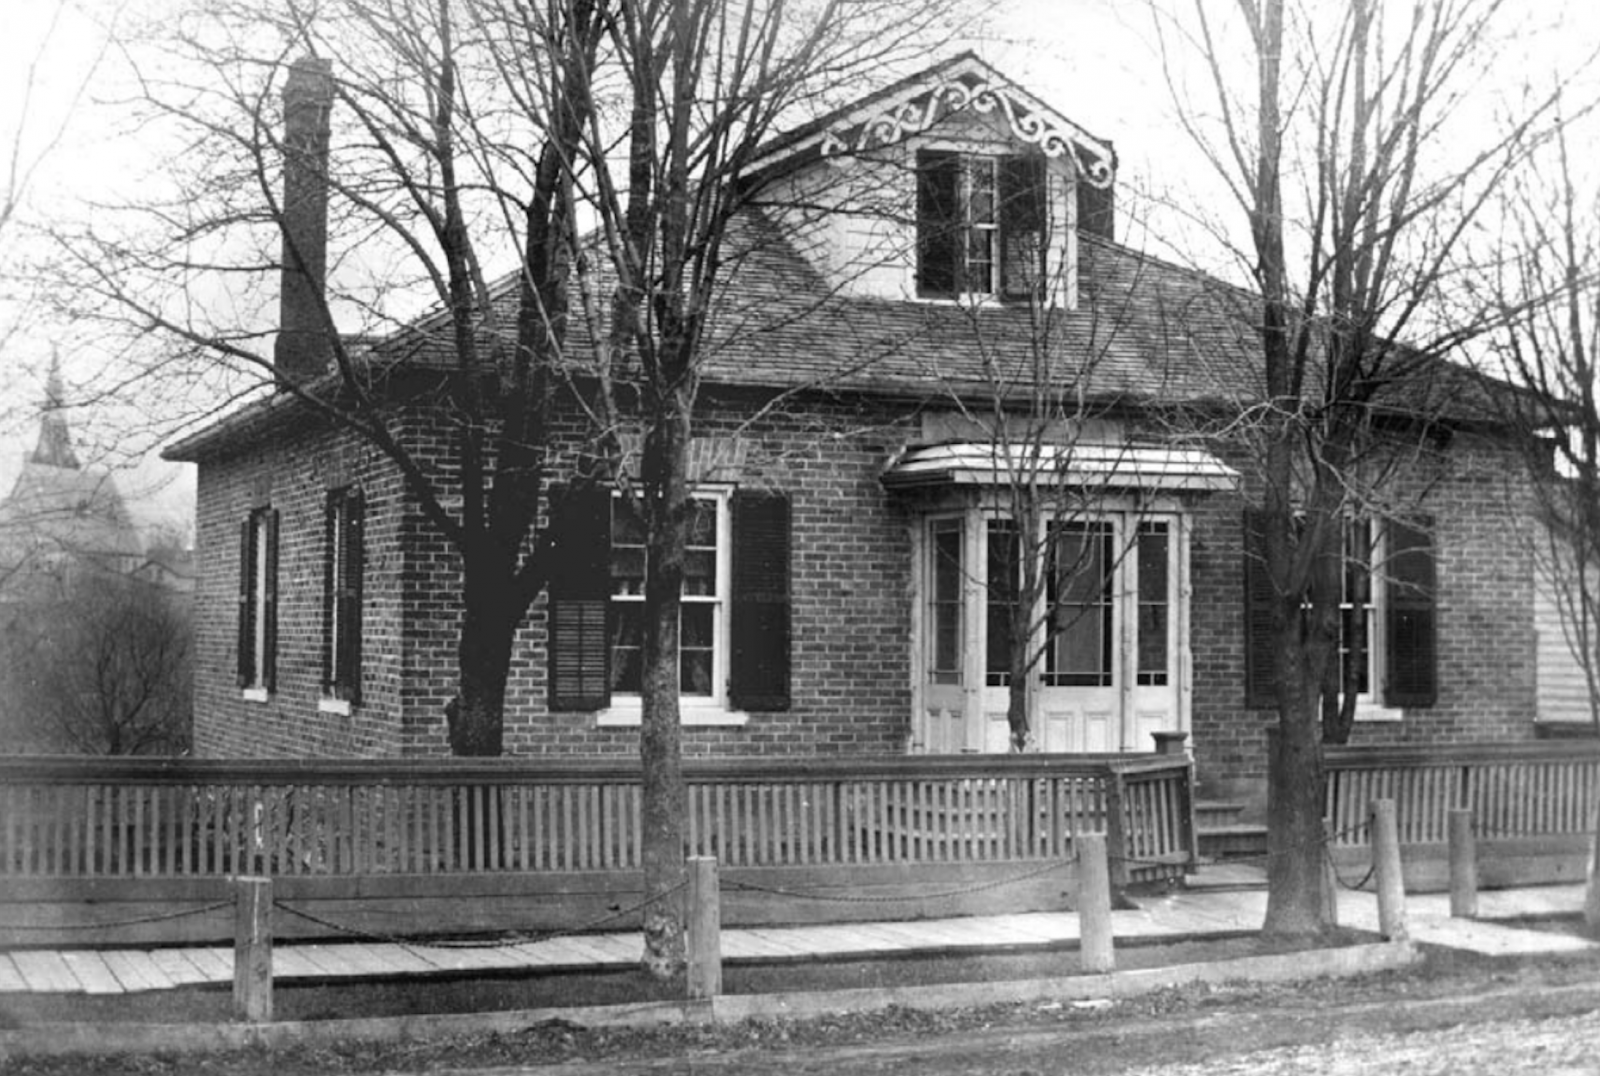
[(1520, 1028)]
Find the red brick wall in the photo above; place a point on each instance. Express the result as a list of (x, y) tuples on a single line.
[(293, 476), (851, 611), (1485, 626)]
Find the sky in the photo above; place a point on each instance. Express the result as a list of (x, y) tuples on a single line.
[(1095, 61)]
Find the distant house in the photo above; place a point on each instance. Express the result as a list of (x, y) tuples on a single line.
[(854, 544)]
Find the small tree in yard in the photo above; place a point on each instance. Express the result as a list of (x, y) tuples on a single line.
[(1331, 156), (1041, 408)]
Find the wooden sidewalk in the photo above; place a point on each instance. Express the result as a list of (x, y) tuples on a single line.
[(1221, 903)]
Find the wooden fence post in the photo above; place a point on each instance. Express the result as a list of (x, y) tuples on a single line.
[(1463, 866), (1330, 875), (704, 929), (1095, 943), (252, 950), (1386, 864), (1116, 835)]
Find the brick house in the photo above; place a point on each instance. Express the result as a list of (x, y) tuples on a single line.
[(910, 254)]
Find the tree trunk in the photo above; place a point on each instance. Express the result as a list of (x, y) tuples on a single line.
[(1296, 896), (1017, 704), (477, 714), (665, 801)]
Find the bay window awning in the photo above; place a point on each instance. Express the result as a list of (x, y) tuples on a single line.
[(1090, 466)]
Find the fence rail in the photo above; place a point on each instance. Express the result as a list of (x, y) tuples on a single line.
[(159, 818), (1524, 790)]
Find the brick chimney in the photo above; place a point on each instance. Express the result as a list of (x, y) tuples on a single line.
[(303, 347)]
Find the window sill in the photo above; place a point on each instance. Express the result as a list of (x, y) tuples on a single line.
[(629, 713), (970, 300), (327, 705), (255, 694), (1372, 713)]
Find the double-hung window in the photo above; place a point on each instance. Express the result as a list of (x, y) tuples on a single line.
[(343, 568), (258, 603), (1388, 622), (982, 225), (733, 619), (702, 614)]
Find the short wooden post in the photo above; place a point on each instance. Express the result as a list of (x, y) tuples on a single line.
[(1386, 865), (252, 950), (1591, 889), (1096, 945), (705, 929), (1463, 866), (1330, 875)]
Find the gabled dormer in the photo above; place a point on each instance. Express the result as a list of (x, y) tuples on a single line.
[(953, 185)]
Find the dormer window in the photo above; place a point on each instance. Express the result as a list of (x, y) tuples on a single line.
[(981, 225)]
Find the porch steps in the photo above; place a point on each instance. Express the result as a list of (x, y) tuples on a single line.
[(1224, 833)]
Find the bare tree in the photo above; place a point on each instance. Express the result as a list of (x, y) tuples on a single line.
[(459, 129), (1042, 406), (1328, 154), (598, 149), (1543, 283), (106, 670), (709, 83)]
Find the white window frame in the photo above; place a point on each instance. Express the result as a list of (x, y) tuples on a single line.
[(627, 708), (1369, 704), (971, 228), (260, 535), (967, 156)]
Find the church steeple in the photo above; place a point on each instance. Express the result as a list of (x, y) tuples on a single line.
[(55, 440)]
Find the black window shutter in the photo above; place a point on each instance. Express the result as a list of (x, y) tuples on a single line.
[(1096, 209), (330, 589), (1023, 226), (1410, 616), (246, 666), (269, 661), (759, 621), (580, 597), (939, 222), (1260, 663), (354, 538)]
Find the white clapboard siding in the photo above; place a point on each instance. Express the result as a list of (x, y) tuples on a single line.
[(1563, 693)]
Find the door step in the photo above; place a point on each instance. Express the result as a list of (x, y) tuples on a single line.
[(1224, 834)]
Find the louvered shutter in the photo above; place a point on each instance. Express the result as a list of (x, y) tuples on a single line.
[(1260, 660), (1410, 616), (1024, 229), (246, 665), (269, 650), (939, 219), (330, 591), (579, 598), (759, 611), (353, 535)]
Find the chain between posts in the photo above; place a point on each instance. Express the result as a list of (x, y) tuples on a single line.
[(162, 917), (503, 941), (976, 887)]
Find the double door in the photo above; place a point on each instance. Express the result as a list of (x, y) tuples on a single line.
[(1100, 624)]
